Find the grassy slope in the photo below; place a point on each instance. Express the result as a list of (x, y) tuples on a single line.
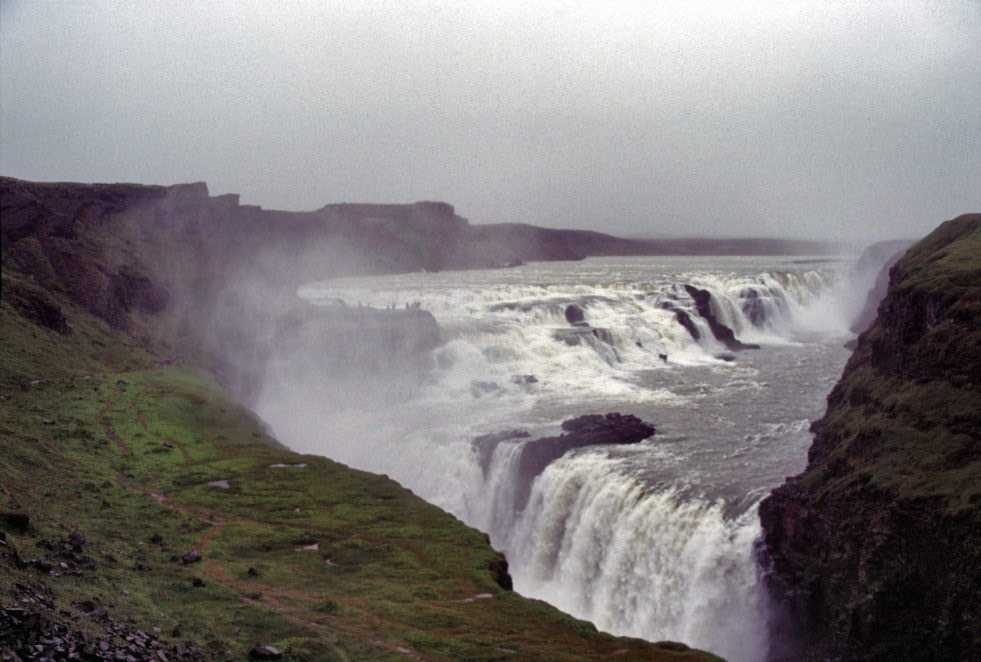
[(120, 449)]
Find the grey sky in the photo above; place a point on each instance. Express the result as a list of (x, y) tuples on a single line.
[(819, 119)]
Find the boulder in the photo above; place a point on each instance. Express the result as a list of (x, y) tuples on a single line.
[(19, 522), (265, 652), (192, 556), (575, 315)]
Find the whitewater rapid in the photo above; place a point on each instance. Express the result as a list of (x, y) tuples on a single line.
[(654, 540)]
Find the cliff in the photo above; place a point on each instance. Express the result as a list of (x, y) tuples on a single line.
[(875, 549)]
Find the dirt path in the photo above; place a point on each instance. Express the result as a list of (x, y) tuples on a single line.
[(104, 417), (273, 598)]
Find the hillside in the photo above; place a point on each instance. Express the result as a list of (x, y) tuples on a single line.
[(876, 548), (145, 511)]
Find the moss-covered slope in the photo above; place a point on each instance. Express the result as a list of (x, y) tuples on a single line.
[(153, 465), (876, 547)]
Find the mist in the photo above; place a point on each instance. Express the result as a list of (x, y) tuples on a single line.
[(846, 121)]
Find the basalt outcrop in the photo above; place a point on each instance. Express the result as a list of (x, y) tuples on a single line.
[(721, 332), (875, 549), (537, 454)]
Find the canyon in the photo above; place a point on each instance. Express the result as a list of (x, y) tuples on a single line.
[(871, 553)]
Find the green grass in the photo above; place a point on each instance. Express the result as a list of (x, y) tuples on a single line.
[(95, 437)]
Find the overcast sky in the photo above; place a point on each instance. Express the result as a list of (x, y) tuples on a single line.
[(856, 120)]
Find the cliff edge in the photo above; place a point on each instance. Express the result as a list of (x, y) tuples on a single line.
[(875, 549)]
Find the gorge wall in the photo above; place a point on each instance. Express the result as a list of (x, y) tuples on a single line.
[(875, 549)]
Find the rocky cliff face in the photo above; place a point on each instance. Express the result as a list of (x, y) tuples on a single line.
[(875, 550)]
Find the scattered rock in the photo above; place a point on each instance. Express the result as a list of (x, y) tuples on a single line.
[(64, 557), (574, 337), (524, 380), (77, 541), (19, 522), (265, 652), (91, 609), (301, 465), (219, 484), (479, 596), (37, 630), (192, 556)]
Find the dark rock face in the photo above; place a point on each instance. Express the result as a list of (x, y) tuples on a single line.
[(19, 522), (485, 444), (752, 305), (499, 571), (684, 319), (722, 333), (875, 550), (591, 430), (575, 336)]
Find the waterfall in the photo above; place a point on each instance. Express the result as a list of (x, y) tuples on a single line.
[(639, 561), (641, 543)]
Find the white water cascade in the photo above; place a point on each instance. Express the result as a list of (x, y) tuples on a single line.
[(653, 540)]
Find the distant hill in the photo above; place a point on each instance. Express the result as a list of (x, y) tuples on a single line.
[(742, 246)]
